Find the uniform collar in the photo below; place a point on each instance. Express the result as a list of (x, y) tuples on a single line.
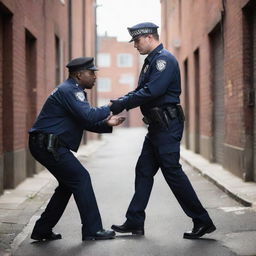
[(73, 81), (158, 49)]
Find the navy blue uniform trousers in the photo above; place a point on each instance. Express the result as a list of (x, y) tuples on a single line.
[(74, 179), (161, 150)]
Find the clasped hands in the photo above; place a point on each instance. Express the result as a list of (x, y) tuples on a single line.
[(114, 120), (116, 107)]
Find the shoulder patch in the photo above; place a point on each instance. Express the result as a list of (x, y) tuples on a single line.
[(80, 96), (160, 65)]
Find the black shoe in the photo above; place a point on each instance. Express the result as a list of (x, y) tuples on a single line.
[(127, 228), (47, 236), (100, 235), (199, 231)]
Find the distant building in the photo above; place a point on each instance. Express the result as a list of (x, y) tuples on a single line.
[(119, 67), (215, 43), (37, 39)]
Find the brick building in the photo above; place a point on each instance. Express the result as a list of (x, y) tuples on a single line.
[(119, 67), (215, 43), (37, 39)]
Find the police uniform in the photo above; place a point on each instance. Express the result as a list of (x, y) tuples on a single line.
[(57, 130), (157, 95)]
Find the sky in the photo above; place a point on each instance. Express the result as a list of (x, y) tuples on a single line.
[(114, 16)]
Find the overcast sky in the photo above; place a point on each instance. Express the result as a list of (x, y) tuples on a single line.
[(114, 16)]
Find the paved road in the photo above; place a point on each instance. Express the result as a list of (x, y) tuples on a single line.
[(112, 172)]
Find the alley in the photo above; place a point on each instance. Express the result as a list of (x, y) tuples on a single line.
[(112, 171)]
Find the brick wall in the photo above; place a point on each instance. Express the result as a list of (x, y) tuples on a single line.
[(186, 27), (29, 30)]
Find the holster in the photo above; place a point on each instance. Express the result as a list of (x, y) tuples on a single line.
[(158, 116), (161, 116), (176, 112), (181, 114), (52, 145), (49, 141)]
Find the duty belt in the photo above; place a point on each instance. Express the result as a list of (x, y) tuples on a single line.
[(161, 115), (49, 141)]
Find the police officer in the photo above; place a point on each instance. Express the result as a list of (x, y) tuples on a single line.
[(57, 130), (157, 95)]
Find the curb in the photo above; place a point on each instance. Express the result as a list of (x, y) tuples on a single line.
[(242, 192)]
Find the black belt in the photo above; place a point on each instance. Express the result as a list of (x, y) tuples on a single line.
[(49, 141), (162, 115)]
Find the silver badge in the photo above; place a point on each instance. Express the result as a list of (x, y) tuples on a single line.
[(160, 65), (145, 69), (80, 96)]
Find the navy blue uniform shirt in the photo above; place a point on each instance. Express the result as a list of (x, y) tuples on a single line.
[(159, 85), (159, 82), (67, 113)]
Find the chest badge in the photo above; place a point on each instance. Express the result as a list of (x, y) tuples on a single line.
[(80, 96), (145, 69), (160, 65)]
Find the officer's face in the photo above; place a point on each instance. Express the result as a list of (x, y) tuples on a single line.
[(87, 79), (142, 44)]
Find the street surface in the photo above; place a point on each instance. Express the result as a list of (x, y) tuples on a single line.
[(112, 172)]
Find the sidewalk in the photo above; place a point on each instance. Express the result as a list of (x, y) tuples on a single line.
[(243, 192), (17, 206)]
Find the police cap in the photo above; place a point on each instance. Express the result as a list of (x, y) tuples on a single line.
[(82, 63), (142, 29)]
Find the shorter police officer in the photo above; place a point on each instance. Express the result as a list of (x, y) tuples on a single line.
[(157, 95), (57, 130)]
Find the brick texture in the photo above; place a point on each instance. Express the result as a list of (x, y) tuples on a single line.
[(28, 31), (186, 27)]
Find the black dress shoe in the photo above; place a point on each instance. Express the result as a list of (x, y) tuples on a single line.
[(199, 231), (47, 236), (100, 235), (127, 228)]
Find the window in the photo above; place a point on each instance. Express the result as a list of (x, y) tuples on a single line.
[(104, 85), (104, 60), (124, 60), (127, 79)]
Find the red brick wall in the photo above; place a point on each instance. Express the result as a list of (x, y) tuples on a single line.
[(187, 27), (234, 87), (198, 18), (21, 101)]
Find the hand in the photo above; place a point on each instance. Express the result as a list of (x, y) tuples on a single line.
[(115, 120), (117, 106)]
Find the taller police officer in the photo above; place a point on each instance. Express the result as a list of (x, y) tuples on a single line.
[(157, 95), (57, 130)]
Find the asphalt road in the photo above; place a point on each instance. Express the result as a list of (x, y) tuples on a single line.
[(112, 173)]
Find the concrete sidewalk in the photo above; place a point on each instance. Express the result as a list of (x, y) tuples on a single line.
[(17, 206), (243, 192)]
